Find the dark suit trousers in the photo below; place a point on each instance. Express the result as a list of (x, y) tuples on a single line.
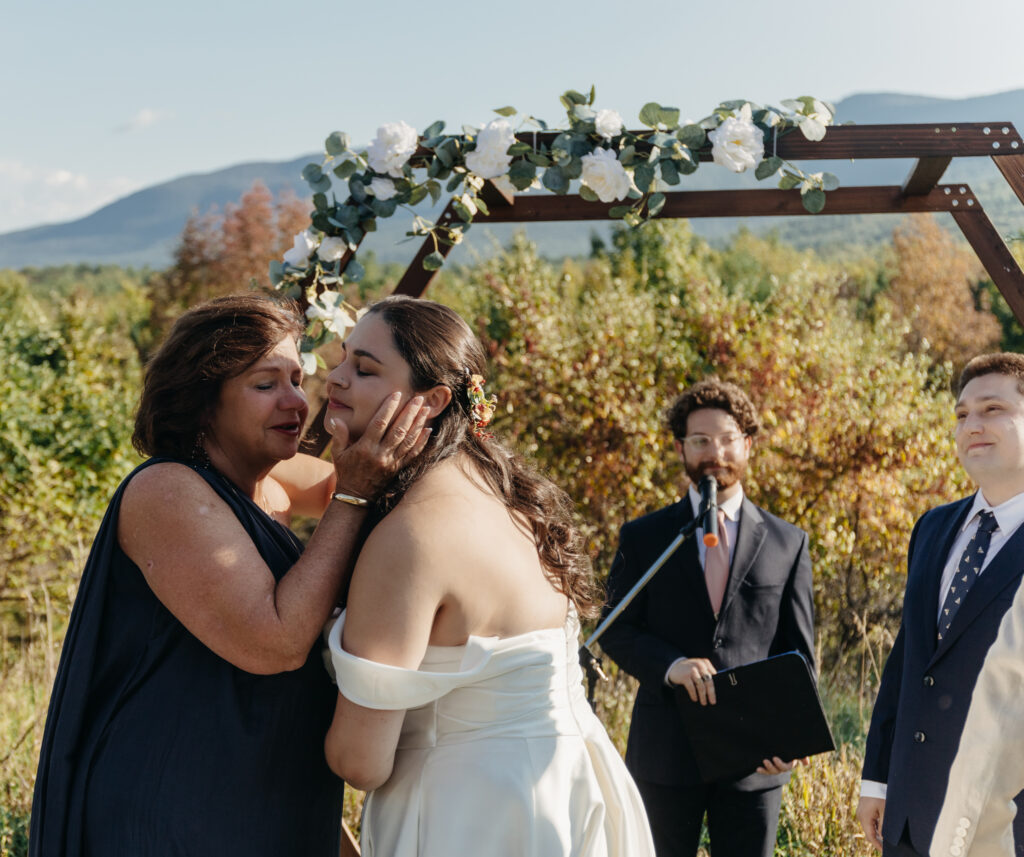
[(740, 823)]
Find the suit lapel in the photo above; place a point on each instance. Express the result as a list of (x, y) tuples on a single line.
[(1005, 568), (749, 539), (687, 559)]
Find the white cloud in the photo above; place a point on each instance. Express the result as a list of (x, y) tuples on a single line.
[(146, 117), (30, 196)]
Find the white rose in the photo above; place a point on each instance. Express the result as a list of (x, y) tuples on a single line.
[(608, 123), (308, 360), (382, 188), (330, 308), (331, 249), (393, 146), (605, 176), (303, 247), (737, 143), (490, 158)]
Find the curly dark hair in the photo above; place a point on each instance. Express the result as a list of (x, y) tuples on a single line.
[(1000, 363), (713, 393), (441, 349), (207, 345)]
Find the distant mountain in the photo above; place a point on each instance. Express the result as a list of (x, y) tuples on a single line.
[(142, 228)]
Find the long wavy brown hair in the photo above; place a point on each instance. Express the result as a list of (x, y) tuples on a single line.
[(440, 348)]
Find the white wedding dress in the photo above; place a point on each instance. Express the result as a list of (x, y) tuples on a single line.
[(500, 755)]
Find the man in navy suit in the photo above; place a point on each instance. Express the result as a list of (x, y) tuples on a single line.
[(707, 609), (964, 568)]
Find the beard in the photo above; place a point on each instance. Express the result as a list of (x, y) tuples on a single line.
[(728, 472)]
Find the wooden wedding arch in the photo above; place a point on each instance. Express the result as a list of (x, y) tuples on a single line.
[(932, 146)]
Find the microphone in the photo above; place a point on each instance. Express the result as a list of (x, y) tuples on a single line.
[(709, 503)]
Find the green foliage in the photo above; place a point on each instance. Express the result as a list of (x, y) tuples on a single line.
[(69, 386)]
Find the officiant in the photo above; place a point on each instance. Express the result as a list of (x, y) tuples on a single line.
[(707, 609)]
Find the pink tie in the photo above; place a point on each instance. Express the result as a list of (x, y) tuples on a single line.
[(716, 566)]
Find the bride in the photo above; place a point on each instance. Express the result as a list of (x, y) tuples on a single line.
[(460, 705)]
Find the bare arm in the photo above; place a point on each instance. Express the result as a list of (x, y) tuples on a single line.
[(201, 564), (395, 594), (309, 483)]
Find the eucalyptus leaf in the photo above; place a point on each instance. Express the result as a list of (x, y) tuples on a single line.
[(345, 169), (336, 143), (626, 155), (355, 235), (734, 104), (541, 160), (662, 140), (669, 172), (434, 189), (454, 182), (789, 181), (354, 271), (588, 194), (814, 200), (643, 176), (321, 186), (829, 181), (444, 155), (463, 211), (383, 207), (312, 173), (276, 271), (650, 114), (481, 206), (669, 116), (369, 225), (575, 97), (593, 94), (655, 204), (519, 149), (573, 169), (768, 167), (433, 262), (434, 167), (555, 180), (434, 129), (506, 111), (320, 201), (357, 189), (522, 174), (691, 136), (418, 194), (583, 113), (619, 211)]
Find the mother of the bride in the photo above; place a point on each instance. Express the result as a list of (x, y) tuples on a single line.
[(189, 708)]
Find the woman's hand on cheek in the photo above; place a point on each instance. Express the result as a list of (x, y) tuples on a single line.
[(389, 443)]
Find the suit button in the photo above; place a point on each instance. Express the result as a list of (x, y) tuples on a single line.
[(956, 850), (920, 737), (928, 681), (718, 642), (965, 822)]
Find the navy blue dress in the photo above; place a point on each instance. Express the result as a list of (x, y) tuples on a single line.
[(154, 745)]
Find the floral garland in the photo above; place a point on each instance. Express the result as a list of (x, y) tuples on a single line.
[(611, 164)]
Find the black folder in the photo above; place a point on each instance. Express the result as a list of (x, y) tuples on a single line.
[(765, 709)]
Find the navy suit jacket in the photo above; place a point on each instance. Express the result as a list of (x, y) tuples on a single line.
[(768, 609), (927, 684)]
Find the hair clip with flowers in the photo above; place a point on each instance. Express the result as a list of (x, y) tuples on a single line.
[(481, 406)]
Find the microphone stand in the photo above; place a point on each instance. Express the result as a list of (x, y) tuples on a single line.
[(590, 662)]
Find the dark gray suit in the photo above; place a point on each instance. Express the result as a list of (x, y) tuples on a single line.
[(767, 609)]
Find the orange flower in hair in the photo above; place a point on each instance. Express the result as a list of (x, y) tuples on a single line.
[(481, 406)]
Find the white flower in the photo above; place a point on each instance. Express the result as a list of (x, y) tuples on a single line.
[(608, 123), (605, 176), (467, 201), (490, 158), (332, 249), (814, 124), (393, 146), (382, 188), (303, 247), (737, 143), (308, 360), (331, 309)]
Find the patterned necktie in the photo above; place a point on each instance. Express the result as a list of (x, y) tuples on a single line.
[(967, 570), (716, 566)]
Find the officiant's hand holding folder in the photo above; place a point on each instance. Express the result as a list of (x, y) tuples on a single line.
[(764, 710)]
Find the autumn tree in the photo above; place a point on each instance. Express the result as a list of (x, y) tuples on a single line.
[(219, 254), (935, 290)]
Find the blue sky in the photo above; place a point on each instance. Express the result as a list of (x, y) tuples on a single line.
[(106, 97)]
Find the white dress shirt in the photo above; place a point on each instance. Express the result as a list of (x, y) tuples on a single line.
[(1009, 516), (731, 508)]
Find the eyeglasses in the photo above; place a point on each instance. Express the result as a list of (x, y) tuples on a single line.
[(702, 442)]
